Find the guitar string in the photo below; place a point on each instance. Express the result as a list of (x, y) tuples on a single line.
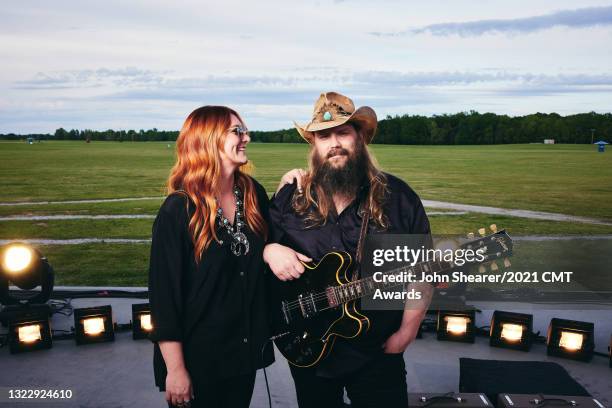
[(323, 295), (402, 269), (295, 306)]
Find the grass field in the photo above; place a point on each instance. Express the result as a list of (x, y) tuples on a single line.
[(569, 179)]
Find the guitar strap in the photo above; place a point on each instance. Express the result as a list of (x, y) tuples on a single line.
[(365, 220)]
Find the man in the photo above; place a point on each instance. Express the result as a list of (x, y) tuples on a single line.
[(325, 214)]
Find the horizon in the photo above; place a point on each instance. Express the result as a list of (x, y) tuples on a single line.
[(293, 128)]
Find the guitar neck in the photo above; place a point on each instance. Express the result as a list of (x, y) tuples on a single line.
[(367, 286)]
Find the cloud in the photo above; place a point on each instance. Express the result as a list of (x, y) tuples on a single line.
[(79, 79), (131, 84), (580, 18), (135, 98)]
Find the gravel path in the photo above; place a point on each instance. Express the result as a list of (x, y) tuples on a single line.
[(76, 217), (80, 241), (107, 200), (540, 215), (76, 241)]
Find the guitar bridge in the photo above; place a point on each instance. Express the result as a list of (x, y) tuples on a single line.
[(286, 312)]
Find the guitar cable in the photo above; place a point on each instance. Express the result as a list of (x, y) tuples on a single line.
[(263, 349)]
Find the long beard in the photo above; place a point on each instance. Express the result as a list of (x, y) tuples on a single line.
[(344, 180)]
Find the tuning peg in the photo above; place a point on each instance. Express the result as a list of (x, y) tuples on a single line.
[(494, 267), (482, 231), (482, 269), (470, 235), (493, 228), (507, 262)]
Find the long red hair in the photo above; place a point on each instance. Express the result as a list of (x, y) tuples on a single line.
[(197, 171)]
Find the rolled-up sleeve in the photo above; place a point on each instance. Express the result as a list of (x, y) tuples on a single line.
[(165, 276)]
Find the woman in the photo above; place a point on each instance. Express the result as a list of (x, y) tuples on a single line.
[(205, 277)]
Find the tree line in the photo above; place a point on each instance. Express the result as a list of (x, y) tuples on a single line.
[(458, 129)]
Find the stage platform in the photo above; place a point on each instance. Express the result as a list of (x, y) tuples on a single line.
[(120, 374)]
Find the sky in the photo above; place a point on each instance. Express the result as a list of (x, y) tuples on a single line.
[(148, 64)]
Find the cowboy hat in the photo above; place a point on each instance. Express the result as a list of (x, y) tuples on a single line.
[(333, 109)]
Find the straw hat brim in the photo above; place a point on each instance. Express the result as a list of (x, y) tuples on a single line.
[(365, 117)]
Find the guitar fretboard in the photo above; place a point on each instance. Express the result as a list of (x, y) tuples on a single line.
[(354, 290)]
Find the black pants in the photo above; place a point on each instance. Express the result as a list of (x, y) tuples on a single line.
[(379, 383), (233, 392)]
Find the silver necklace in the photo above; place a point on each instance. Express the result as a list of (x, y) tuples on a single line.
[(240, 243)]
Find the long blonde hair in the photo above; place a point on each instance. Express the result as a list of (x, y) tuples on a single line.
[(197, 172)]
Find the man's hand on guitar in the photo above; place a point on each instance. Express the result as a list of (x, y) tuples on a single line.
[(284, 261)]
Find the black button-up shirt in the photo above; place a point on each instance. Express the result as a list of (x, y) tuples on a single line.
[(405, 214), (217, 308)]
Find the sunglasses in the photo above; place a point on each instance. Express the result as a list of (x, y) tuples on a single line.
[(239, 131)]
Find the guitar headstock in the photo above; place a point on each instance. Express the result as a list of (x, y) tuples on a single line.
[(496, 245)]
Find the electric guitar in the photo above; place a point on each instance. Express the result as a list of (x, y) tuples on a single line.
[(321, 305)]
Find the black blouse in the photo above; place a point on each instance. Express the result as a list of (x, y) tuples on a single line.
[(217, 308)]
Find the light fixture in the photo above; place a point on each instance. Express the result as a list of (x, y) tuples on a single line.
[(570, 339), (141, 321), (25, 267), (93, 325), (511, 330), (29, 332), (456, 326)]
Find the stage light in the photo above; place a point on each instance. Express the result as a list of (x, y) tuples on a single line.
[(145, 322), (511, 330), (456, 326), (141, 321), (570, 339), (17, 259), (29, 332), (93, 325), (24, 267)]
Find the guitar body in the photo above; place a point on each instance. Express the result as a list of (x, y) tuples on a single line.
[(308, 323), (310, 312)]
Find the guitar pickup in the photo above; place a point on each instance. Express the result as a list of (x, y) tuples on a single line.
[(307, 305)]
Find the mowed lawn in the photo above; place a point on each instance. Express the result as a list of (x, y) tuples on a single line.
[(569, 179)]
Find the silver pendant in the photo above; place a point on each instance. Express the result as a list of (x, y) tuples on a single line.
[(240, 244)]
